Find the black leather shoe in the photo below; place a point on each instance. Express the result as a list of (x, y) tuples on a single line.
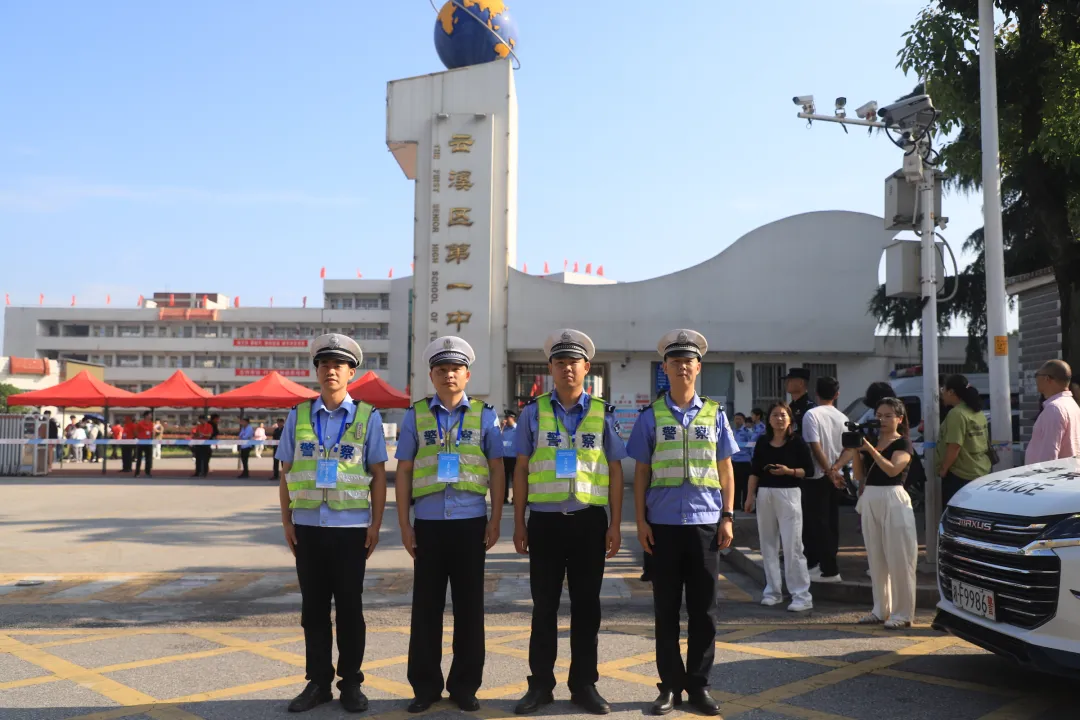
[(419, 705), (704, 703), (468, 703), (665, 702), (533, 701), (312, 696), (353, 699), (591, 701)]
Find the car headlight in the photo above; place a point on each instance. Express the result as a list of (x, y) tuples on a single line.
[(1063, 533)]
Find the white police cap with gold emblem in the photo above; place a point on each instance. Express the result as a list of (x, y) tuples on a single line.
[(336, 345), (569, 343), (682, 343), (449, 349)]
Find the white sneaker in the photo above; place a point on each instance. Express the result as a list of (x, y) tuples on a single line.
[(800, 606), (827, 578), (770, 601), (868, 574), (815, 573)]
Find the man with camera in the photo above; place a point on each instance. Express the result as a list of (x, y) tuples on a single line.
[(823, 429)]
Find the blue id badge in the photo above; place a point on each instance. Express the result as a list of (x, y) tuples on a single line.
[(449, 467), (326, 474), (566, 463)]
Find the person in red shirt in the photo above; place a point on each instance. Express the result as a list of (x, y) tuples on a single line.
[(117, 431), (144, 430), (127, 452)]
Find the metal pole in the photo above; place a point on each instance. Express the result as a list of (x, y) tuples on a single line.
[(993, 247), (931, 387)]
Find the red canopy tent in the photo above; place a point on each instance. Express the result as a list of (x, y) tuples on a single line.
[(82, 391), (270, 391), (372, 389), (177, 391)]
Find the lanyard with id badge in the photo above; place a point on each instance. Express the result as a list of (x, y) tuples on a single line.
[(326, 468), (449, 463), (566, 458)]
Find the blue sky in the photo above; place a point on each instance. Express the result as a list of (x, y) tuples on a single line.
[(239, 147)]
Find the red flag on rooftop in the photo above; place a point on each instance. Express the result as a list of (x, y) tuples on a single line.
[(546, 271), (108, 299), (41, 299), (305, 301), (271, 301), (391, 273), (575, 266), (412, 266), (72, 301), (524, 267), (358, 273), (236, 301), (322, 272), (172, 299), (565, 262), (203, 304), (141, 300), (7, 299), (600, 271), (588, 268)]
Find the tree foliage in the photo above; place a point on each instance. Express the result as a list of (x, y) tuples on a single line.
[(1038, 70), (7, 389)]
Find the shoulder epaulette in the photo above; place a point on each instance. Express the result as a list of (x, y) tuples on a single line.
[(489, 406), (609, 408), (532, 401), (643, 408)]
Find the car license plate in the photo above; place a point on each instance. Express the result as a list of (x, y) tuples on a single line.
[(974, 600)]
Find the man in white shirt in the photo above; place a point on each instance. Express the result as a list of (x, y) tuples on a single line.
[(823, 427)]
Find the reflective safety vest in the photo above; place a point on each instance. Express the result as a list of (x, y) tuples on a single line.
[(353, 486), (590, 485), (472, 464), (685, 454)]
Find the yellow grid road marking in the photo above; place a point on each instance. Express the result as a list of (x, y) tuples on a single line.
[(781, 654), (947, 682), (1025, 708)]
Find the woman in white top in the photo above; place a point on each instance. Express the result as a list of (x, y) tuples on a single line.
[(888, 521), (92, 432), (260, 434), (78, 433)]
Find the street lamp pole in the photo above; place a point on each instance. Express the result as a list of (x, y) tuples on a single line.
[(993, 245)]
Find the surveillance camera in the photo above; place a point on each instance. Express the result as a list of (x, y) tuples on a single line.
[(803, 100), (867, 111), (914, 113), (841, 102)]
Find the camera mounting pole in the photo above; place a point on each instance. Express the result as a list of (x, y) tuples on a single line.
[(915, 142)]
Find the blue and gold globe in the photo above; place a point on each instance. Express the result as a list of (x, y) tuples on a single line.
[(470, 32)]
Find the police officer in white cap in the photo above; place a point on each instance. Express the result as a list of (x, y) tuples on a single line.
[(449, 454), (684, 443), (568, 470), (332, 498)]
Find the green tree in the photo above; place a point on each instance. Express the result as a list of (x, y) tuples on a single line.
[(8, 389), (1038, 68)]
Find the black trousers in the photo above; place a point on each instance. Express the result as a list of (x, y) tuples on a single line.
[(330, 564), (742, 482), (245, 453), (509, 463), (950, 485), (448, 550), (144, 452), (277, 467), (821, 524), (685, 555), (202, 459), (126, 453), (568, 546)]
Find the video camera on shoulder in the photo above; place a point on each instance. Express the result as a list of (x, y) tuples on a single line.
[(852, 439)]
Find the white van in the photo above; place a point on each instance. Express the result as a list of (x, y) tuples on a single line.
[(1009, 565)]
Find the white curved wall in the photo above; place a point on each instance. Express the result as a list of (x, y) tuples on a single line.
[(800, 284)]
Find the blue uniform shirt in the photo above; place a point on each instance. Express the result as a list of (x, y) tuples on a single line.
[(525, 441), (374, 453), (247, 433), (508, 435), (745, 436), (450, 504), (686, 504)]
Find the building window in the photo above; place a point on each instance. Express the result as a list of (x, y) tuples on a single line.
[(346, 303), (284, 362), (383, 362), (147, 361), (718, 383), (181, 331), (75, 330), (266, 332), (225, 361), (225, 331), (250, 361), (367, 302), (160, 361), (818, 370), (205, 361), (206, 331), (107, 360), (384, 302), (129, 331), (281, 333), (96, 359), (264, 362), (768, 388)]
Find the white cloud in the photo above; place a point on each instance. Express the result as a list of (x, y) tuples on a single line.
[(55, 194)]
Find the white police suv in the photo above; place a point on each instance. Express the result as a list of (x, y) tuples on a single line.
[(1009, 565)]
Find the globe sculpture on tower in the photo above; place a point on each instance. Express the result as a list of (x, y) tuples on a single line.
[(471, 32)]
